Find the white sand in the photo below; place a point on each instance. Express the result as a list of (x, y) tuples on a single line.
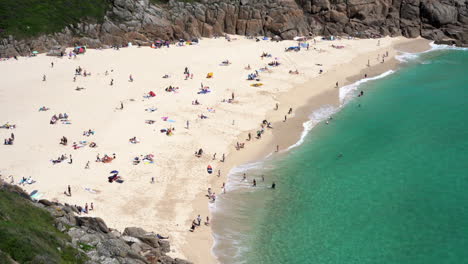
[(165, 207)]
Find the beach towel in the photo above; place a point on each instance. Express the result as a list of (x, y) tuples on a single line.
[(151, 109), (90, 190), (204, 92)]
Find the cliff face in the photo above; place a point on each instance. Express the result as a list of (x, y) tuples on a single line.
[(139, 20)]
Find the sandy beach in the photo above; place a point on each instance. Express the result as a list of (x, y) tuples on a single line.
[(178, 194)]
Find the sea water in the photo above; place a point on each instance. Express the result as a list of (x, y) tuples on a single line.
[(386, 181)]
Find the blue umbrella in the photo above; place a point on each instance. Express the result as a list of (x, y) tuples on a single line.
[(114, 172)]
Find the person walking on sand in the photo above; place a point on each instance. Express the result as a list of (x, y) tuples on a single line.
[(52, 64), (121, 105), (188, 124), (222, 160), (71, 160), (277, 148), (232, 96), (44, 78), (130, 78), (87, 165), (112, 82), (219, 173), (336, 85), (290, 111), (276, 107), (91, 207), (152, 180), (214, 156), (86, 208), (207, 222), (285, 118), (250, 137), (69, 190), (199, 220)]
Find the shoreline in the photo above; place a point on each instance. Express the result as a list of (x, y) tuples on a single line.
[(286, 134)]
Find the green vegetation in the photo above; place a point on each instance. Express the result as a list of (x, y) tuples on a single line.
[(28, 234), (29, 18), (86, 247)]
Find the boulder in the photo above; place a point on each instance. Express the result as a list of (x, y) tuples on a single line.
[(134, 232), (94, 223)]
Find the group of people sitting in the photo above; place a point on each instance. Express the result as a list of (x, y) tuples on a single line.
[(105, 159), (88, 133), (84, 209), (10, 140), (253, 76), (265, 55), (134, 140), (293, 72), (63, 141), (274, 63), (63, 157), (25, 180), (149, 158), (171, 89), (8, 126), (55, 118)]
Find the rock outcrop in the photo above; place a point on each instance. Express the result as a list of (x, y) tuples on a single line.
[(141, 21), (92, 237), (105, 245)]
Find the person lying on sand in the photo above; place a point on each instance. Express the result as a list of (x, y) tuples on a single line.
[(134, 140), (293, 72)]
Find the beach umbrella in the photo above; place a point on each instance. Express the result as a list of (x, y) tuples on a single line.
[(35, 52), (114, 172)]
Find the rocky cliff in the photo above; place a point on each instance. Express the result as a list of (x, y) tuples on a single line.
[(143, 21), (49, 232)]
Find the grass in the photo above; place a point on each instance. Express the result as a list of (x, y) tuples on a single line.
[(30, 18), (86, 247), (28, 234)]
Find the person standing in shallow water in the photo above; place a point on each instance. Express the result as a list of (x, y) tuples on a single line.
[(254, 183), (273, 185)]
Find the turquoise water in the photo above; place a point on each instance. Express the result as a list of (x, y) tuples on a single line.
[(398, 194)]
